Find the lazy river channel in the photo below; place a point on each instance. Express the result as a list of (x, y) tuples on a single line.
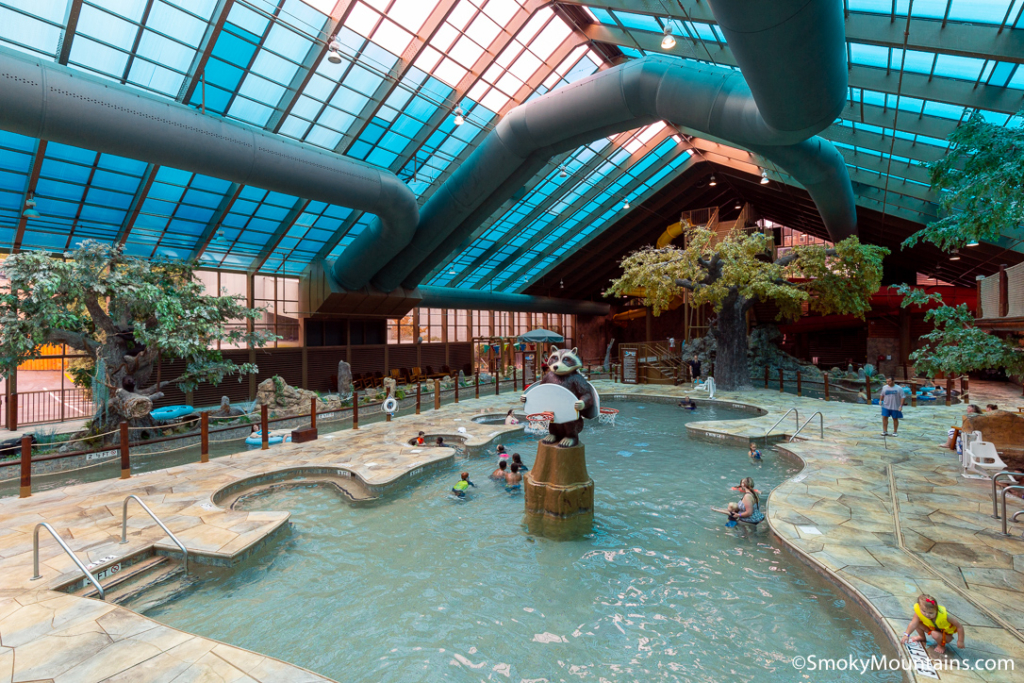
[(420, 587)]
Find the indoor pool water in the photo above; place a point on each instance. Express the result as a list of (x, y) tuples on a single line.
[(422, 587)]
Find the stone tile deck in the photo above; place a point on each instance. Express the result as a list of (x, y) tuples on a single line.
[(886, 524)]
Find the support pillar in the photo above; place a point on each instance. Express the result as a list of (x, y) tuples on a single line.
[(559, 493)]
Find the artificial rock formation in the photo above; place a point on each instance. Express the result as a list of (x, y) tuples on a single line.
[(284, 399), (344, 379), (226, 409), (559, 493)]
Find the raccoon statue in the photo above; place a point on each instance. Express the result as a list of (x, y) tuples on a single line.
[(563, 369)]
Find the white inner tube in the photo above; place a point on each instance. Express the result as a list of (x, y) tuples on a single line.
[(390, 405)]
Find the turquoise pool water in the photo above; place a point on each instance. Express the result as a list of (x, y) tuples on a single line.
[(419, 587)]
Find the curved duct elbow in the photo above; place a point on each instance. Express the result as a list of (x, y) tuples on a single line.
[(52, 102), (793, 57)]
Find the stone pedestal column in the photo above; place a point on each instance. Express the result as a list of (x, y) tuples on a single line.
[(559, 493)]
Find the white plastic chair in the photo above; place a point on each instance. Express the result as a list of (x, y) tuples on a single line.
[(981, 455)]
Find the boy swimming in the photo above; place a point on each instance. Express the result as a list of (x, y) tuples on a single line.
[(462, 485), (513, 480), (499, 474)]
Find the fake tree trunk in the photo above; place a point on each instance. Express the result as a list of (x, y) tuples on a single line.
[(124, 386), (730, 331)]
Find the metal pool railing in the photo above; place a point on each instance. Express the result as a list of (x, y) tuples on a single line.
[(1003, 495), (995, 498), (124, 526), (820, 417), (796, 416), (78, 562), (51, 405)]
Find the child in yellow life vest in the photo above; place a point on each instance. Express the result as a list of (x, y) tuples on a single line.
[(932, 619)]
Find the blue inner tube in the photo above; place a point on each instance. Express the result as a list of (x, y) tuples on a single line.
[(256, 439), (171, 412)]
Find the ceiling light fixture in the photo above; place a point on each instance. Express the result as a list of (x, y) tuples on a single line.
[(333, 52), (625, 205), (738, 204), (30, 208), (713, 181), (972, 243), (451, 271), (668, 41), (561, 284), (459, 116), (954, 255), (562, 173), (764, 177)]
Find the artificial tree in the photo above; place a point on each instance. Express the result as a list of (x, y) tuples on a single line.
[(981, 181), (956, 346), (734, 273), (124, 313)]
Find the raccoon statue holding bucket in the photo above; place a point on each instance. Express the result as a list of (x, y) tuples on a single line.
[(564, 369)]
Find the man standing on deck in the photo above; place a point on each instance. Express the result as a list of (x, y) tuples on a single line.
[(891, 399)]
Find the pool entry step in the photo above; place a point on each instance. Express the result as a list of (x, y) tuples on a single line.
[(128, 577)]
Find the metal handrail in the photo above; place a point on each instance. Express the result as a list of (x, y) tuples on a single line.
[(1007, 489), (60, 541), (796, 414), (820, 417), (995, 497), (124, 526)]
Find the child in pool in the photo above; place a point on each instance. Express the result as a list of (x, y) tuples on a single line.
[(440, 442), (513, 480), (754, 453), (499, 474), (502, 453), (932, 619), (516, 460), (421, 439), (688, 403), (462, 485)]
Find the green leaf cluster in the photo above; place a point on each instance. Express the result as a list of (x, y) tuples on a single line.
[(98, 293), (826, 280), (956, 345), (981, 180)]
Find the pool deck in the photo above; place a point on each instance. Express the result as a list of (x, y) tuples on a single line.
[(886, 524)]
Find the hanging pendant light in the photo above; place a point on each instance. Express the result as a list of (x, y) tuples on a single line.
[(625, 205), (972, 243), (334, 52), (713, 181), (562, 173), (30, 208), (954, 255), (459, 116), (668, 41), (764, 177)]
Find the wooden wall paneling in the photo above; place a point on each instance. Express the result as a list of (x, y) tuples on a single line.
[(323, 364), (402, 356), (367, 359)]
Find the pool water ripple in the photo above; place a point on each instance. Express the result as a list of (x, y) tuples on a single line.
[(421, 587)]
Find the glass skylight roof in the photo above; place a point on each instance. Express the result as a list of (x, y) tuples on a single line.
[(404, 66)]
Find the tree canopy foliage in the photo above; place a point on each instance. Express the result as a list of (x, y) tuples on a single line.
[(956, 345), (981, 181), (829, 280), (123, 310)]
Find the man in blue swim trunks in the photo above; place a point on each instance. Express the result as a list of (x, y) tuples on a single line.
[(891, 399)]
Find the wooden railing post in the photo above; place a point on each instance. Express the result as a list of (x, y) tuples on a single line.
[(457, 383), (437, 394), (26, 466), (264, 427), (355, 409), (497, 383), (419, 394), (478, 383), (515, 378), (799, 388), (766, 376), (204, 436), (126, 462), (949, 391), (312, 412), (825, 375), (913, 394), (782, 385)]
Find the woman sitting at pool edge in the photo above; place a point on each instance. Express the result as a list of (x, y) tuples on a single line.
[(750, 505)]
